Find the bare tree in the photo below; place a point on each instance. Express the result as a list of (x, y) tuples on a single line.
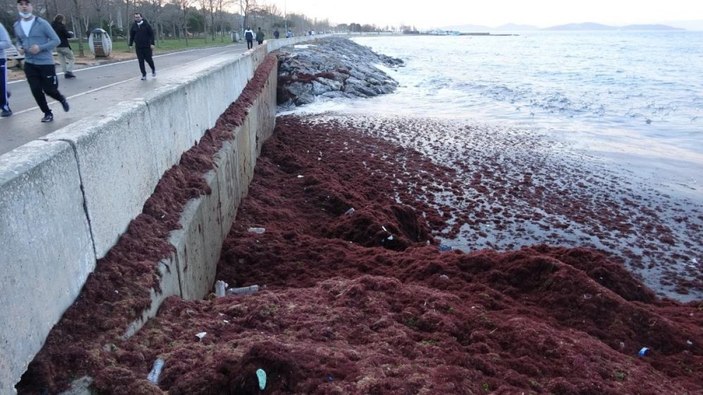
[(183, 5)]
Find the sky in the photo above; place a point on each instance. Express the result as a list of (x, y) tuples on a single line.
[(493, 13)]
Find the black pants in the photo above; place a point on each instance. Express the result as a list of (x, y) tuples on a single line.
[(42, 80), (250, 43), (4, 105), (144, 53)]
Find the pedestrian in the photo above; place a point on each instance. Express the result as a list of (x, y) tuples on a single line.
[(259, 36), (142, 37), (36, 39), (276, 34), (5, 43), (66, 57), (249, 36), (289, 34)]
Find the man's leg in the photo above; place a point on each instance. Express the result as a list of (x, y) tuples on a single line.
[(34, 78), (70, 60), (50, 83), (149, 59), (4, 104), (62, 58), (140, 60)]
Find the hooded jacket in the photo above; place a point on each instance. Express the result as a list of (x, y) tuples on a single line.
[(63, 34), (42, 34), (141, 35)]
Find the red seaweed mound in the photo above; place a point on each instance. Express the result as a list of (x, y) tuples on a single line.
[(344, 310)]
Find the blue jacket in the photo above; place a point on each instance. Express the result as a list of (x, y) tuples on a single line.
[(42, 34), (5, 41)]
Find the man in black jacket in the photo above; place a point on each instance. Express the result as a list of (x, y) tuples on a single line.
[(64, 49), (142, 37)]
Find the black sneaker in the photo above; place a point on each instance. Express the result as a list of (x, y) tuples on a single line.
[(65, 106), (48, 118), (69, 75), (6, 113)]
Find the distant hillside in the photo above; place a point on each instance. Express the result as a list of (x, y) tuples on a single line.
[(598, 26), (650, 27), (468, 28), (516, 27), (581, 26)]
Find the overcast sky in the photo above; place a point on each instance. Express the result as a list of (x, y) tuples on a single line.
[(540, 13)]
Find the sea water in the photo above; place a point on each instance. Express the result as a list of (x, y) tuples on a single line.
[(632, 97)]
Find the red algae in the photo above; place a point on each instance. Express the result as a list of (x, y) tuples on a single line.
[(359, 296), (365, 301), (118, 291)]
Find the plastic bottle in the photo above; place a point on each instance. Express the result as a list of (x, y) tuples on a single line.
[(156, 371)]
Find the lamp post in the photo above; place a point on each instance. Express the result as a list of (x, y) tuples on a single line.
[(285, 17)]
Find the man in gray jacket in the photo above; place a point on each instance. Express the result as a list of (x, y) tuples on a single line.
[(37, 40), (4, 44)]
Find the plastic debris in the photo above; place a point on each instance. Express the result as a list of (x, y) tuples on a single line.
[(220, 288), (300, 176), (243, 290), (261, 375), (644, 351), (444, 248), (258, 231), (350, 211), (156, 371), (443, 277), (330, 378), (200, 335)]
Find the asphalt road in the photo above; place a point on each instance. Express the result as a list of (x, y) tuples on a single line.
[(94, 90)]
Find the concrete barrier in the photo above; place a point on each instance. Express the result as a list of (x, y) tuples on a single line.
[(46, 252), (66, 199)]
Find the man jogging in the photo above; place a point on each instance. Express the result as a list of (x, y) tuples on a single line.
[(36, 39), (142, 37)]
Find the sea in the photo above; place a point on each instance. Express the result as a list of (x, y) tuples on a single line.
[(634, 96), (626, 105)]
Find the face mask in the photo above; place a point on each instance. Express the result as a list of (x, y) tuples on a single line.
[(25, 14)]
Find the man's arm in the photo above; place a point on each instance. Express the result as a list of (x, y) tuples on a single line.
[(131, 35), (5, 41), (53, 38)]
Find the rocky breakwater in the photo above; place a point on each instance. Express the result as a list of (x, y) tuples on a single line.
[(332, 67)]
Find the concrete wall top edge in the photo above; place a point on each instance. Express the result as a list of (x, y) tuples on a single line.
[(27, 157)]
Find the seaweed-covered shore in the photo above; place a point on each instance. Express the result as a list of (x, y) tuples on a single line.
[(361, 290)]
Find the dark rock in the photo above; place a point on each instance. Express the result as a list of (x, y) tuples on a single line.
[(331, 68)]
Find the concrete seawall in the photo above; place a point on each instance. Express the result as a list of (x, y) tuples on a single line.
[(66, 199)]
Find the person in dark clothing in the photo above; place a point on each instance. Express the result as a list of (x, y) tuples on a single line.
[(276, 34), (36, 39), (259, 36), (66, 57), (249, 36), (142, 37)]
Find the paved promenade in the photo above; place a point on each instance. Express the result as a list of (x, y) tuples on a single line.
[(94, 91)]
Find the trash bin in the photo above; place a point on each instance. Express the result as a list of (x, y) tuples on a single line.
[(100, 43)]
